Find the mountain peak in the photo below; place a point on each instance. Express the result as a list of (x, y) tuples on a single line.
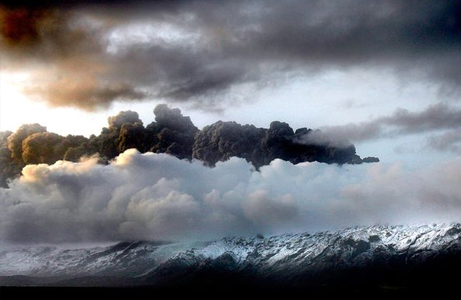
[(284, 259)]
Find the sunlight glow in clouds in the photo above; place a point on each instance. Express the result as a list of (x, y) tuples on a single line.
[(17, 109)]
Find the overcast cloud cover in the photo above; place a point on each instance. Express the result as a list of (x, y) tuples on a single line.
[(89, 55), (157, 196)]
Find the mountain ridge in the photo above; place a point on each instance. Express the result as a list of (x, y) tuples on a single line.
[(284, 259)]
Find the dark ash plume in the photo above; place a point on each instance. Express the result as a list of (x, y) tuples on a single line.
[(32, 144), (174, 134), (16, 139), (223, 140), (4, 138), (8, 166)]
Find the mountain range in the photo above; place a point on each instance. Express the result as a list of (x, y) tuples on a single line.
[(380, 258)]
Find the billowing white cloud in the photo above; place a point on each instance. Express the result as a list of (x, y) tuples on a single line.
[(157, 196)]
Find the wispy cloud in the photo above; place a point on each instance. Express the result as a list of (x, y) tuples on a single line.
[(440, 121)]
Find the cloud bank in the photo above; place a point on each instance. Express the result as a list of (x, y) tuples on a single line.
[(89, 55), (157, 196)]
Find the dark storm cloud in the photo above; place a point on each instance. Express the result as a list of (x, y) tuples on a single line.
[(201, 51), (21, 25)]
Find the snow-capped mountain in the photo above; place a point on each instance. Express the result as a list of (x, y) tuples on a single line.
[(291, 258)]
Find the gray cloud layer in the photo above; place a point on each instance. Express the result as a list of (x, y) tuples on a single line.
[(440, 121), (203, 51), (157, 196)]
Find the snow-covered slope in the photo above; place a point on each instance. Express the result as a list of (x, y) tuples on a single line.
[(352, 246), (284, 256), (122, 259)]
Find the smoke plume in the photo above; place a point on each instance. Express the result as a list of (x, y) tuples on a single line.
[(174, 134)]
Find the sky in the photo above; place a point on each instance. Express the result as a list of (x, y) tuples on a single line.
[(383, 74)]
